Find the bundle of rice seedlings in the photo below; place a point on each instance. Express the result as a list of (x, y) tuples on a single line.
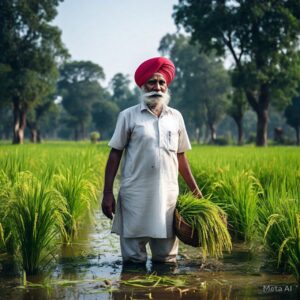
[(208, 222)]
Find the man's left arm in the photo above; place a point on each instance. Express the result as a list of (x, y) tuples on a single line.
[(186, 173)]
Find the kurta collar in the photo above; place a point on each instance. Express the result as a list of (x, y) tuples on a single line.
[(143, 107)]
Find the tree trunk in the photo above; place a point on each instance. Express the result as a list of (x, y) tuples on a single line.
[(239, 123), (260, 105), (33, 131), (262, 126), (213, 134), (19, 122), (33, 137), (297, 135)]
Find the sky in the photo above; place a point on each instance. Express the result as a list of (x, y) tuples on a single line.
[(116, 34)]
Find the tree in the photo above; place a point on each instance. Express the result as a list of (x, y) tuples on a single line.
[(79, 88), (237, 109), (201, 82), (37, 114), (104, 116), (6, 120), (30, 51), (261, 37), (122, 95), (292, 114)]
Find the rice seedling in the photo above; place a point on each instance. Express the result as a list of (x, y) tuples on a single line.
[(78, 194), (209, 221), (238, 196), (6, 241), (154, 280), (280, 224), (35, 215)]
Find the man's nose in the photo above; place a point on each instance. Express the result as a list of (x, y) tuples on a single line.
[(157, 87)]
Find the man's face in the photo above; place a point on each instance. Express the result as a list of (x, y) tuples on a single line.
[(156, 83)]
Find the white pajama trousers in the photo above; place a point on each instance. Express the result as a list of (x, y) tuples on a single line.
[(163, 250)]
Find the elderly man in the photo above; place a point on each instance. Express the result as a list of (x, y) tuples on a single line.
[(153, 138)]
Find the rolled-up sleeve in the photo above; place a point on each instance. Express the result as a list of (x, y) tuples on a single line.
[(120, 137), (183, 142)]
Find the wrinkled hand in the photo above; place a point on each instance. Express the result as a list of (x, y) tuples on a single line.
[(108, 204)]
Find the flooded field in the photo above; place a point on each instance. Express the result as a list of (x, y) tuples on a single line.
[(54, 189), (91, 268)]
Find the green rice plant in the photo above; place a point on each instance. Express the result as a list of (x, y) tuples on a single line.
[(280, 223), (6, 241), (238, 195), (210, 222), (35, 214), (154, 280), (79, 196)]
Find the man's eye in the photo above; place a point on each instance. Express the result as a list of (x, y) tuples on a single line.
[(162, 82)]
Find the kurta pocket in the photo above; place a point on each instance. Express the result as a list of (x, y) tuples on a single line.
[(172, 140)]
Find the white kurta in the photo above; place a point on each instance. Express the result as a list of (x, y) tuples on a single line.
[(149, 176)]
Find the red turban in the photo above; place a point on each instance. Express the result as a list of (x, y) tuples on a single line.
[(160, 65)]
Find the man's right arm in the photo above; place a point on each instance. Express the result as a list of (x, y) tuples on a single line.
[(108, 201)]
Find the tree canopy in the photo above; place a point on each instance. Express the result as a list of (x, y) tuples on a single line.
[(30, 50), (121, 92), (261, 37), (79, 88), (201, 83)]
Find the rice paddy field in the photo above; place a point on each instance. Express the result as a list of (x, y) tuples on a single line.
[(56, 244)]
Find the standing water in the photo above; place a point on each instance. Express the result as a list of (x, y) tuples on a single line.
[(91, 268)]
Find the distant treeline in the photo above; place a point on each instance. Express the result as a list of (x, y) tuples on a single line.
[(46, 95)]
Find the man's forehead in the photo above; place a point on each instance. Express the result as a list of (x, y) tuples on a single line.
[(157, 76)]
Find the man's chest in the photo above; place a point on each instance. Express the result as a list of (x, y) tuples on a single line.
[(161, 132)]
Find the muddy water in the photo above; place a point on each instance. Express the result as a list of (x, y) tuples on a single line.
[(92, 269)]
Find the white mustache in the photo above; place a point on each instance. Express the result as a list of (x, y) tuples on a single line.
[(153, 94)]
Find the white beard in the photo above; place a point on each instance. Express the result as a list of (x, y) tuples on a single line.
[(155, 98)]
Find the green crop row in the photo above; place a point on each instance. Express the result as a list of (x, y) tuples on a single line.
[(47, 191), (259, 189)]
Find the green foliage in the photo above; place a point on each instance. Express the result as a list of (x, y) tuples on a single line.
[(238, 195), (79, 195), (35, 216), (292, 114), (80, 89), (262, 39), (261, 203), (44, 197), (30, 50), (122, 95), (104, 115), (94, 136), (209, 221), (280, 223), (201, 83)]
